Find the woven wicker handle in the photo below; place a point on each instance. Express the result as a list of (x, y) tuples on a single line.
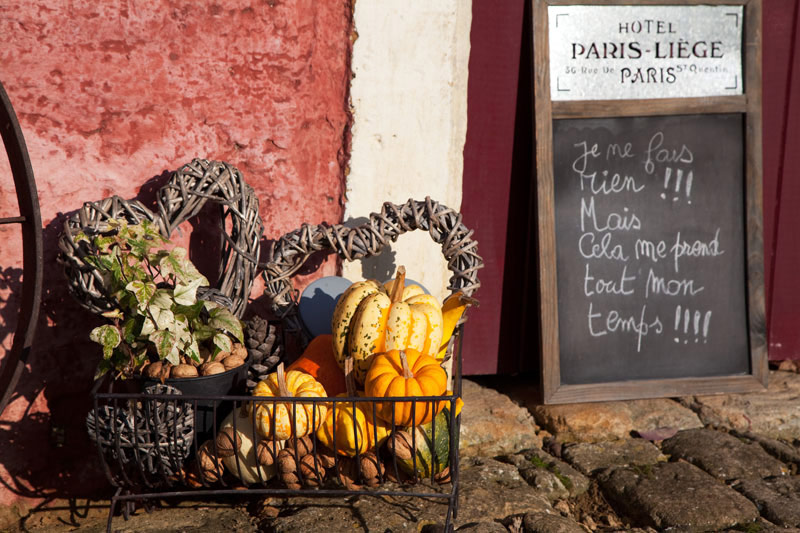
[(442, 223)]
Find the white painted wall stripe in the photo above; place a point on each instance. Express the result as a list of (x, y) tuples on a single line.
[(409, 99)]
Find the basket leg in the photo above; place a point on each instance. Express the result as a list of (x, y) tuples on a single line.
[(111, 509)]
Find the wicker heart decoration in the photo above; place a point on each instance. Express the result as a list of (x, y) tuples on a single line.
[(180, 199)]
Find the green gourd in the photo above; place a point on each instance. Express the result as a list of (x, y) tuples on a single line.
[(432, 450)]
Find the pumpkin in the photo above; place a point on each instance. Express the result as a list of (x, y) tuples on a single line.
[(248, 468), (295, 384), (398, 373), (355, 428), (432, 450), (318, 360), (367, 321)]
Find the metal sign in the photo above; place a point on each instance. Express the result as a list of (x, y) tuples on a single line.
[(641, 52)]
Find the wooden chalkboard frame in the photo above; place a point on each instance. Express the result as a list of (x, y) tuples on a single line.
[(545, 111)]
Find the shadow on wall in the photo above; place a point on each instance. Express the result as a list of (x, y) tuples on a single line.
[(382, 266), (47, 452)]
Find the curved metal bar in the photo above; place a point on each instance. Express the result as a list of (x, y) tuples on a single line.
[(28, 201)]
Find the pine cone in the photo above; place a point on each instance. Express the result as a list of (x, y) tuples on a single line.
[(261, 341)]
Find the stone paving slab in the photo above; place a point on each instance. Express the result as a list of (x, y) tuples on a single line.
[(604, 421), (675, 495), (553, 478), (589, 458), (778, 499), (722, 455), (492, 424), (786, 453), (492, 490), (773, 413), (550, 523)]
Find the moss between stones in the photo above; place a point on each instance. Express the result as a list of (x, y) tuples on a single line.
[(538, 462)]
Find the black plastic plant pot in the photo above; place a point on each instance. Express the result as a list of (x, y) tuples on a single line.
[(230, 382)]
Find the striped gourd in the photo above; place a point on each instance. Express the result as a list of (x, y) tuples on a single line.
[(370, 319)]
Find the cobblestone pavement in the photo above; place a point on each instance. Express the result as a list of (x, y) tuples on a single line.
[(712, 463)]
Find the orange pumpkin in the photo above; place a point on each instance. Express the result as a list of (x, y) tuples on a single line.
[(399, 373), (319, 361)]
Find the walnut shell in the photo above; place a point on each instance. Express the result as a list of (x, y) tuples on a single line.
[(287, 469), (209, 465), (221, 356), (239, 350), (232, 361), (371, 468), (266, 452), (326, 455), (184, 371), (211, 368), (227, 444), (443, 476), (312, 470), (153, 370), (348, 473)]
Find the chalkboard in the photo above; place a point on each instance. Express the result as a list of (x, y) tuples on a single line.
[(650, 247), (648, 209)]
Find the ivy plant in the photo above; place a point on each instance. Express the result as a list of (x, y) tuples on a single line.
[(157, 313)]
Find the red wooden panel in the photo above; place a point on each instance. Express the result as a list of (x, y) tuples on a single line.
[(782, 176), (492, 94)]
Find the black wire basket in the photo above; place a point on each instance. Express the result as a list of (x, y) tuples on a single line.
[(147, 452)]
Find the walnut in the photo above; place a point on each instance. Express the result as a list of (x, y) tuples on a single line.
[(211, 368), (209, 465), (232, 361), (153, 370), (227, 442), (184, 371), (239, 350)]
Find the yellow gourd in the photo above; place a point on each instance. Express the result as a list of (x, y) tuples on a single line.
[(307, 415), (356, 431)]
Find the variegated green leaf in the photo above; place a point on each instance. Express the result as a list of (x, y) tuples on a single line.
[(186, 293), (108, 337), (164, 319), (143, 291), (114, 313), (130, 329), (162, 298), (148, 327), (223, 319), (178, 265), (165, 343), (102, 368), (223, 343), (203, 332), (174, 356), (193, 350)]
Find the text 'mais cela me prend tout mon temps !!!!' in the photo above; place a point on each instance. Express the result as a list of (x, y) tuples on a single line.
[(649, 234)]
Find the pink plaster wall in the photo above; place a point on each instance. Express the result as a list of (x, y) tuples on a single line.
[(110, 95)]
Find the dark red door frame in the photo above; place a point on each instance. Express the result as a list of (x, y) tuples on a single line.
[(497, 173)]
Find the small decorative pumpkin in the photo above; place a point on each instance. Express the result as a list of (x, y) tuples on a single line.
[(399, 373), (295, 384), (356, 431), (246, 468), (432, 450), (319, 361), (368, 321)]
